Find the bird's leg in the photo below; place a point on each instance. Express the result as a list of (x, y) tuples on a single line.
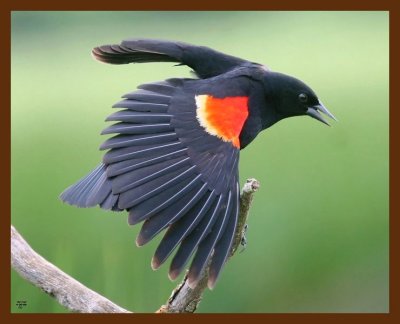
[(243, 241)]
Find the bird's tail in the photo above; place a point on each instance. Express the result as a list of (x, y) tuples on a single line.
[(94, 189)]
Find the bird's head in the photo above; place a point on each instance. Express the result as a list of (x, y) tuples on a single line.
[(292, 97)]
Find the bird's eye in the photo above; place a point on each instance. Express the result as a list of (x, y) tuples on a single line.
[(303, 97)]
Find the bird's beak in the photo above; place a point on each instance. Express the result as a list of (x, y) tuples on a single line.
[(313, 112)]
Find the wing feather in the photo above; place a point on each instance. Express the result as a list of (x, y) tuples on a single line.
[(168, 172)]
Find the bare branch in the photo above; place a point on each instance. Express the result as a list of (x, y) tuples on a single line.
[(79, 298), (185, 299), (44, 275)]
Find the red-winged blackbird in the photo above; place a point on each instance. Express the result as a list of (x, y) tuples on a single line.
[(174, 162)]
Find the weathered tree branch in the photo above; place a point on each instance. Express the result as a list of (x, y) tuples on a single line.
[(78, 298), (69, 292)]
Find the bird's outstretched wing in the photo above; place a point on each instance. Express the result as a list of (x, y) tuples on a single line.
[(205, 61), (174, 165)]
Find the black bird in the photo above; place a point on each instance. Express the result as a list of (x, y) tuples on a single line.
[(174, 161)]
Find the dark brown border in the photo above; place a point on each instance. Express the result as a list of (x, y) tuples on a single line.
[(8, 6), (200, 5)]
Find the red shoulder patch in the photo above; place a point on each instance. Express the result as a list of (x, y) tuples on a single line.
[(222, 117)]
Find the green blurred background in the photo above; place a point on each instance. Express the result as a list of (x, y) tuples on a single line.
[(318, 229)]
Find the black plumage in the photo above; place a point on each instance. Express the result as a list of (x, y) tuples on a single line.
[(173, 163)]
